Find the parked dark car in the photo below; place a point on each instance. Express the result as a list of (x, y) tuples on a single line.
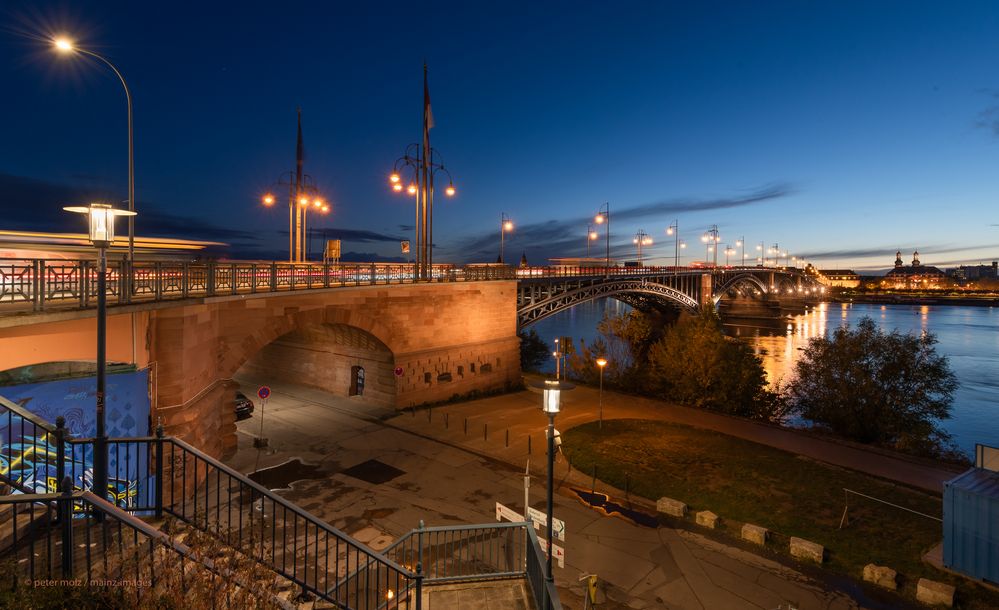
[(244, 406)]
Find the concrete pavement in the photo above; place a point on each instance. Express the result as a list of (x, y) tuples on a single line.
[(447, 483)]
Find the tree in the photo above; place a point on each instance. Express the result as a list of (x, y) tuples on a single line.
[(533, 350), (878, 387), (695, 364)]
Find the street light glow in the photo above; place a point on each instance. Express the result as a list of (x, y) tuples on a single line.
[(268, 199), (396, 187), (508, 225), (303, 201), (601, 362), (669, 230), (593, 235), (412, 189), (449, 191), (394, 178), (63, 44), (318, 202), (325, 209), (599, 219)]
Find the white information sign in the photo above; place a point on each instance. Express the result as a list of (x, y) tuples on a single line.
[(559, 552), (502, 512), (540, 520)]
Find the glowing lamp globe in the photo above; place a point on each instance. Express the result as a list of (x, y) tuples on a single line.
[(100, 217)]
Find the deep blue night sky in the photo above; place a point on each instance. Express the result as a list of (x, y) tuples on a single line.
[(840, 130)]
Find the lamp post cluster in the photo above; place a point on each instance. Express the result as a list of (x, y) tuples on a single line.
[(422, 163), (641, 239)]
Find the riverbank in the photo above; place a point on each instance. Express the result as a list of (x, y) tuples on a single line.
[(923, 298)]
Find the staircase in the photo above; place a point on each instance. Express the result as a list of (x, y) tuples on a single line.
[(175, 521)]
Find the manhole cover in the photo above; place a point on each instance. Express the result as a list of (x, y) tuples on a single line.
[(374, 472)]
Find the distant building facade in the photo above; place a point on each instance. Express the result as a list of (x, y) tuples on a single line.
[(913, 277), (838, 278), (975, 272)]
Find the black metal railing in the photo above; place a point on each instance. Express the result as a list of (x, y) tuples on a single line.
[(45, 284), (107, 550), (469, 553), (162, 476)]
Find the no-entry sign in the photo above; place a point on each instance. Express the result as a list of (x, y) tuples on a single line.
[(398, 371), (263, 392)]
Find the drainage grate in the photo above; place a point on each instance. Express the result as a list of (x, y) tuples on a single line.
[(374, 472)]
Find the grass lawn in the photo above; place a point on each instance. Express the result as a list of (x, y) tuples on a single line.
[(745, 482)]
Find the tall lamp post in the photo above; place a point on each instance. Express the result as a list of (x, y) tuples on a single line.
[(674, 230), (641, 239), (601, 362), (742, 243), (101, 233), (425, 162), (65, 46), (603, 217), (763, 254), (505, 225), (550, 404), (591, 235)]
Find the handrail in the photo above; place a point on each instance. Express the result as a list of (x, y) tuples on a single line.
[(38, 284), (242, 478), (26, 414)]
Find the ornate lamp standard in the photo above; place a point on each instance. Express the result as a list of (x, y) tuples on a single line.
[(425, 163), (66, 46), (641, 239), (711, 239), (505, 225), (603, 217), (101, 233)]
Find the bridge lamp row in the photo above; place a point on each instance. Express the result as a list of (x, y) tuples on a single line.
[(396, 181)]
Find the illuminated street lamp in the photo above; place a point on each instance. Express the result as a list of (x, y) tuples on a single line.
[(641, 239), (601, 362), (505, 225), (711, 239), (762, 258), (674, 230), (268, 200), (741, 242), (67, 46), (729, 250), (551, 391), (603, 218), (591, 235), (100, 224)]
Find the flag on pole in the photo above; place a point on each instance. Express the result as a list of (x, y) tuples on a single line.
[(428, 115)]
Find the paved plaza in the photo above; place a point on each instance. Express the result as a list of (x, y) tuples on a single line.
[(442, 482)]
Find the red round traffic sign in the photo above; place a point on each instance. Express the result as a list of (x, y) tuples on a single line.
[(398, 371), (263, 392)]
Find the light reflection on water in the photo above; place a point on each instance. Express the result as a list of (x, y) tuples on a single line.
[(968, 336)]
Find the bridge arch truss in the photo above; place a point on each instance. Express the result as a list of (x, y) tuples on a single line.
[(539, 299)]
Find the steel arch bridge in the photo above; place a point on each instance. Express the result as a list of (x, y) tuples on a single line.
[(543, 292)]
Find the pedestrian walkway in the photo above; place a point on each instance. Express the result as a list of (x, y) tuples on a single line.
[(500, 427)]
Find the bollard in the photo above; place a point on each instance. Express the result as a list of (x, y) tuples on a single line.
[(466, 426), (593, 484), (485, 432), (528, 444), (507, 437), (445, 421)]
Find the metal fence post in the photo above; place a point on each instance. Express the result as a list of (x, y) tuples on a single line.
[(60, 438), (159, 469), (38, 284), (273, 286), (65, 503), (210, 279), (419, 586)]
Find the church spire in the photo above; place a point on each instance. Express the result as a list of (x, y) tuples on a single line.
[(898, 259), (915, 259)]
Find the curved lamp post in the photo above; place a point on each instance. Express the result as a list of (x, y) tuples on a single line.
[(421, 186), (641, 239), (65, 46), (505, 225), (603, 217), (100, 225)]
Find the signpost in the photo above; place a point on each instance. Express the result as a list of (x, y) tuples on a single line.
[(263, 393), (558, 529)]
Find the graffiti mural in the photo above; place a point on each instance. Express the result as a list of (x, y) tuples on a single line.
[(28, 452)]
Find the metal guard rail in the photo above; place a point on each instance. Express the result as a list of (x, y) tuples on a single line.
[(113, 550)]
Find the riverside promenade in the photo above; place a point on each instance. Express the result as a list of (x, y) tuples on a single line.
[(500, 426)]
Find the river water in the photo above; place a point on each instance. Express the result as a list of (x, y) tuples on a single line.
[(967, 335)]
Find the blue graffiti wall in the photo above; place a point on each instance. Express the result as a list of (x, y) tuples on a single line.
[(29, 455)]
